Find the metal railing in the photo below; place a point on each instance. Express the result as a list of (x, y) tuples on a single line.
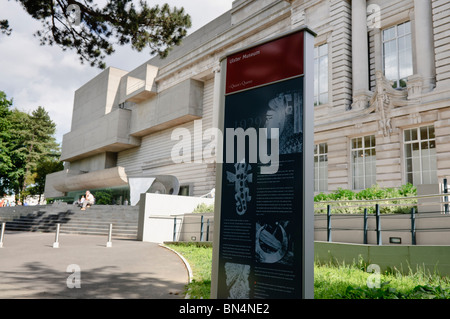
[(388, 219), (372, 220), (189, 230), (369, 224), (365, 229), (57, 232)]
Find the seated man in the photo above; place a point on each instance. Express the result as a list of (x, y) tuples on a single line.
[(90, 200)]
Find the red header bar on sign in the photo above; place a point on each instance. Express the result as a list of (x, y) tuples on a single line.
[(269, 62)]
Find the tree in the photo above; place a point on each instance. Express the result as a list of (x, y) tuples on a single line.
[(44, 167), (16, 150), (4, 27), (40, 143), (25, 141), (5, 161), (90, 29)]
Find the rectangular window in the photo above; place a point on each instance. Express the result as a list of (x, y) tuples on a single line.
[(397, 54), (321, 74), (321, 167), (184, 190), (363, 157), (420, 155)]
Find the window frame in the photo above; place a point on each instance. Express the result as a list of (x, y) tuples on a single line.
[(363, 148), (185, 186), (318, 154), (317, 57), (397, 82), (419, 141)]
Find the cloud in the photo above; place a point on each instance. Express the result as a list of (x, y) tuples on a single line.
[(41, 76), (35, 75)]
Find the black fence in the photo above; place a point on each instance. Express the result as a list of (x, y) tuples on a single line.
[(196, 228), (365, 229), (439, 219)]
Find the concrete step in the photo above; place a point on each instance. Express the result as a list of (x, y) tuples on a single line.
[(94, 221), (88, 222), (101, 231), (106, 218)]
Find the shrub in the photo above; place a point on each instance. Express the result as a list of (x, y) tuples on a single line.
[(343, 196), (203, 208), (103, 197)]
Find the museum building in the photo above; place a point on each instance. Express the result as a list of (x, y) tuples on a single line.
[(381, 101)]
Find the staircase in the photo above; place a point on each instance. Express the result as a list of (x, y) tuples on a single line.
[(93, 221), (96, 220)]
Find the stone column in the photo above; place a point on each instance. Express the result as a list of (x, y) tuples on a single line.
[(378, 49), (424, 44), (216, 97), (360, 55)]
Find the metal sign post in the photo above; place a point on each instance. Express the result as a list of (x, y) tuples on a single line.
[(56, 243), (109, 243), (2, 234)]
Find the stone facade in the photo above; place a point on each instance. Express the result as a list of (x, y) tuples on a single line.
[(136, 112), (377, 108)]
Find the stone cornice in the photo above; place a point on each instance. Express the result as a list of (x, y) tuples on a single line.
[(258, 21)]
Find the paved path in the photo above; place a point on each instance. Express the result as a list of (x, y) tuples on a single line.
[(31, 268)]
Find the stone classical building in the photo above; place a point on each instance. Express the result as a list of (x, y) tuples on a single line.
[(382, 99)]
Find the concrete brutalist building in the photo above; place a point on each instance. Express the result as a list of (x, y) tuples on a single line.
[(382, 99)]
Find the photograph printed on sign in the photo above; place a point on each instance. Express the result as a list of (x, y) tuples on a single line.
[(273, 243), (283, 112), (237, 280)]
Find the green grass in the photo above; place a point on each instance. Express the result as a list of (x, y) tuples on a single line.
[(351, 282), (199, 258), (342, 281)]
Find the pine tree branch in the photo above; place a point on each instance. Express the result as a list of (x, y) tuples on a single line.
[(158, 28)]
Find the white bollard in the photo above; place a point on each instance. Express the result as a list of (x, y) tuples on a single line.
[(109, 243), (56, 243), (2, 234)]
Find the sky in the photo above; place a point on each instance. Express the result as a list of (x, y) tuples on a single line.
[(34, 75)]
